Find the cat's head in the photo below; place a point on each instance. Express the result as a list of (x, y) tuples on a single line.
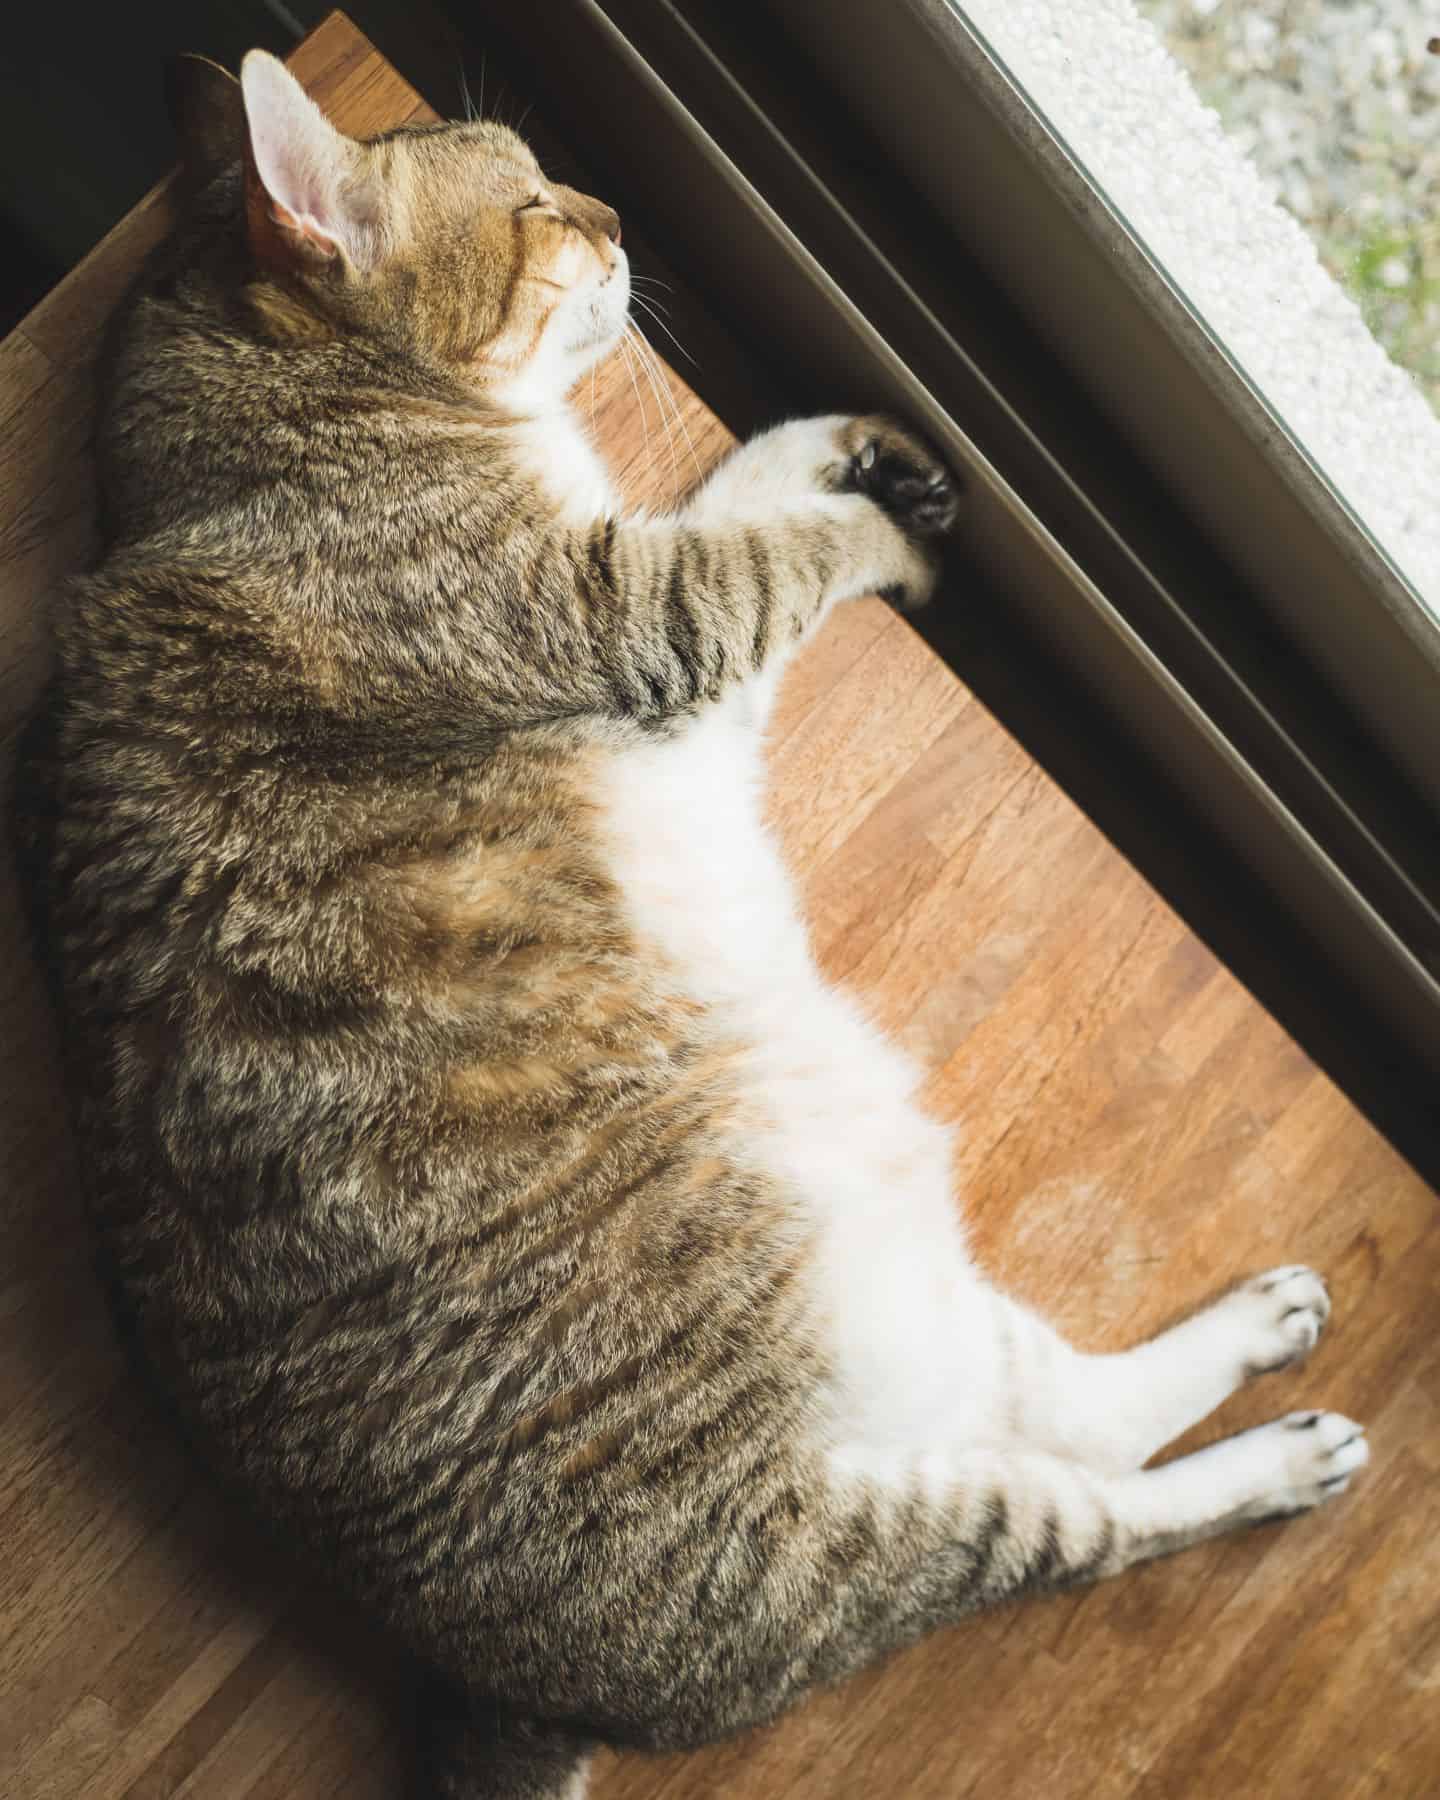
[(444, 242)]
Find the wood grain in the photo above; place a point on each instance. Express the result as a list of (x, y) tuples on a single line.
[(1134, 1131)]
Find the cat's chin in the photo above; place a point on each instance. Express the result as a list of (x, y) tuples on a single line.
[(588, 354), (604, 320)]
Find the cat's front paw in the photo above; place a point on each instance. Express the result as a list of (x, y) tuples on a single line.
[(902, 476)]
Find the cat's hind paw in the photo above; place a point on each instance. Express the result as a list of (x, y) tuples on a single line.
[(1278, 1317), (1314, 1456)]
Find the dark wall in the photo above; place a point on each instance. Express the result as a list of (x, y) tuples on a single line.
[(83, 131)]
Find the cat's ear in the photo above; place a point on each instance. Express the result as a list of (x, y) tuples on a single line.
[(208, 114), (307, 201)]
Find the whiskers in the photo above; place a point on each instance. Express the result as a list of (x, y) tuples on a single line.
[(631, 358), (639, 352), (657, 310), (475, 111)]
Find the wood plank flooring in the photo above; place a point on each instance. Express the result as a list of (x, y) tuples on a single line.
[(1135, 1132)]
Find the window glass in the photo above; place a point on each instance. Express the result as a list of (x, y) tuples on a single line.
[(1280, 161)]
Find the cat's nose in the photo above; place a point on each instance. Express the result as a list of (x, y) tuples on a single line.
[(612, 225)]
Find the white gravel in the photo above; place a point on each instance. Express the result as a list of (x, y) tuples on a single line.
[(1111, 88), (1338, 103)]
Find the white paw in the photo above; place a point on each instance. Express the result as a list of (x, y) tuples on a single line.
[(1298, 1461), (1277, 1318)]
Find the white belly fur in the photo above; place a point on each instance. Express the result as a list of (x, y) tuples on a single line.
[(906, 1316)]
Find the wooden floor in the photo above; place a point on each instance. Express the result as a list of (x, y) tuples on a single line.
[(1135, 1132)]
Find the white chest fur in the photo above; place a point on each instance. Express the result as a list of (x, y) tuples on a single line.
[(553, 445), (834, 1120)]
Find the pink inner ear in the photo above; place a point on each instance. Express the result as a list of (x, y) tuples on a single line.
[(305, 226), (308, 211), (299, 156)]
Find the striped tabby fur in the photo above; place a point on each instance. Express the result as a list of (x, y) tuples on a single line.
[(509, 1206)]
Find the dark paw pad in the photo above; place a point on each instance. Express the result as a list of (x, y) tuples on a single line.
[(899, 474)]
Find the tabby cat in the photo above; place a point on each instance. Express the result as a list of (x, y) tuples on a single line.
[(507, 1204)]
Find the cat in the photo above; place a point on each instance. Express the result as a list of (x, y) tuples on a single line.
[(510, 1209)]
